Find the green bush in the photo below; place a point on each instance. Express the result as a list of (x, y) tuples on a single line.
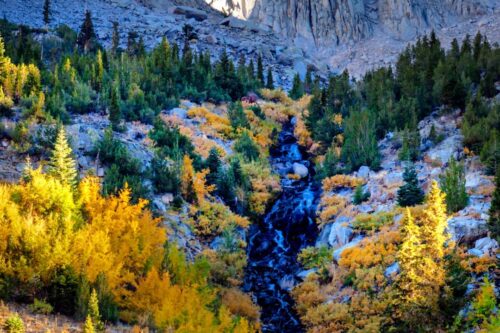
[(41, 307), (360, 196), (247, 147), (14, 324), (452, 183), (315, 257)]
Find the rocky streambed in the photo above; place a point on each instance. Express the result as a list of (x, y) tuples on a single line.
[(276, 240)]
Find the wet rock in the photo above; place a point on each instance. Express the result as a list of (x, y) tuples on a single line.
[(167, 198), (190, 12), (392, 270), (364, 172), (304, 274), (300, 169)]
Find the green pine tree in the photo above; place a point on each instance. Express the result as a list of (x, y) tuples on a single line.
[(46, 13), (87, 37), (62, 165), (114, 110), (410, 194), (452, 182), (115, 39), (494, 221), (213, 164), (297, 88), (270, 80), (260, 71), (93, 311)]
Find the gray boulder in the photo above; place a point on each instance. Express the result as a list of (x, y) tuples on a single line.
[(465, 228), (392, 270), (486, 245), (178, 112), (364, 172), (189, 12), (300, 169)]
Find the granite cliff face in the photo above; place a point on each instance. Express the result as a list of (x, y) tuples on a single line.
[(341, 21)]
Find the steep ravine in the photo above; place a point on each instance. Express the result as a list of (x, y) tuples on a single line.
[(276, 240)]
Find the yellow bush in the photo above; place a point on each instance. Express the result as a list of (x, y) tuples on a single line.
[(341, 181), (330, 207), (240, 304), (211, 219), (277, 96), (265, 186)]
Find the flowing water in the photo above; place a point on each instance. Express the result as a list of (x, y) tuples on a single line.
[(276, 240)]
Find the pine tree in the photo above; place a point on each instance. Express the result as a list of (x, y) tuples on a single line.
[(260, 71), (308, 82), (115, 39), (87, 37), (62, 165), (213, 164), (452, 183), (88, 326), (410, 194), (494, 221), (237, 116), (93, 311), (297, 88), (46, 13), (114, 109), (270, 80)]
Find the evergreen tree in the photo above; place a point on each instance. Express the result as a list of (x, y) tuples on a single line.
[(88, 326), (114, 109), (87, 38), (410, 194), (237, 116), (46, 13), (297, 88), (93, 311), (247, 147), (494, 221), (115, 39), (260, 71), (213, 164), (308, 82), (270, 80), (360, 147), (452, 183), (62, 165), (99, 73)]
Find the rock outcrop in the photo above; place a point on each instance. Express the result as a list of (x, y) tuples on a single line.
[(340, 21)]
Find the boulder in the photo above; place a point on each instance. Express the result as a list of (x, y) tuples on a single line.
[(167, 198), (450, 147), (189, 12), (234, 22), (336, 234), (486, 245), (465, 228), (393, 179), (178, 112), (475, 252), (300, 169), (364, 172)]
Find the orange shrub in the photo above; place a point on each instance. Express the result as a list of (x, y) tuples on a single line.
[(241, 304)]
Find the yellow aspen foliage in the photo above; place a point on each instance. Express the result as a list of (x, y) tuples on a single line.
[(211, 219), (201, 189), (434, 223), (340, 181), (187, 180), (119, 238)]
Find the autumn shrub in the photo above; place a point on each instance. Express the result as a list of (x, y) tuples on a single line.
[(240, 304), (214, 123), (372, 222), (264, 186), (341, 181), (277, 96), (329, 208), (211, 219)]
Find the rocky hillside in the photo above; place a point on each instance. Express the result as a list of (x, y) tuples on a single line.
[(291, 35)]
